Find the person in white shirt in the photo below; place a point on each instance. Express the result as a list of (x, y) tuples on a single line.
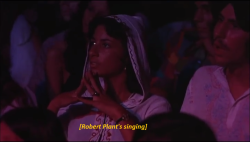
[(220, 94), (120, 96), (25, 50)]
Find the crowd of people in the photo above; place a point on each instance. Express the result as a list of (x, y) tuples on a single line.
[(69, 63)]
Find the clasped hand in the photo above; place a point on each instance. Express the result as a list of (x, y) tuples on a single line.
[(100, 99)]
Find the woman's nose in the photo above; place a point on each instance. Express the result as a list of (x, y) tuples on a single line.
[(93, 51)]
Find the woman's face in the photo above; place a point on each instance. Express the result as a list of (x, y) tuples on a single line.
[(106, 55), (203, 19), (94, 9)]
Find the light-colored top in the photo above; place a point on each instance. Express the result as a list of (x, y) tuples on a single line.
[(22, 52), (208, 97), (153, 105)]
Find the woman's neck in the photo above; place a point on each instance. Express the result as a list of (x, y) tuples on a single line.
[(118, 85)]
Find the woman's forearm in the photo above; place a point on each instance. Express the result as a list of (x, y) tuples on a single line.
[(54, 73), (132, 120)]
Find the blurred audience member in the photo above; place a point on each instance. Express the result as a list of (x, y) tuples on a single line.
[(31, 124), (25, 50), (185, 43), (219, 95), (174, 127)]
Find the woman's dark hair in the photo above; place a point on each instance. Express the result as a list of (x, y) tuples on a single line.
[(174, 127), (118, 31), (34, 124)]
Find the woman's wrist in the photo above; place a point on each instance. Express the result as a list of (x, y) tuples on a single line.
[(119, 112)]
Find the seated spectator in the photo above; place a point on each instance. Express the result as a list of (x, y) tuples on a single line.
[(219, 95), (25, 49), (185, 43), (174, 127), (205, 55)]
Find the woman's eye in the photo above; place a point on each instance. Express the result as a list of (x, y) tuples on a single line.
[(106, 45)]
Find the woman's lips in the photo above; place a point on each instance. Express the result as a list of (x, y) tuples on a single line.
[(93, 64)]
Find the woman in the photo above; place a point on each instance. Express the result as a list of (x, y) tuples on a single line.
[(66, 59), (31, 124), (121, 93)]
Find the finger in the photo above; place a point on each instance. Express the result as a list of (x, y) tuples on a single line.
[(89, 88), (86, 76), (94, 84), (105, 89), (81, 89), (96, 78)]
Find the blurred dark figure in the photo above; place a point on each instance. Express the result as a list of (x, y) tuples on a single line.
[(12, 96), (31, 124), (174, 127)]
